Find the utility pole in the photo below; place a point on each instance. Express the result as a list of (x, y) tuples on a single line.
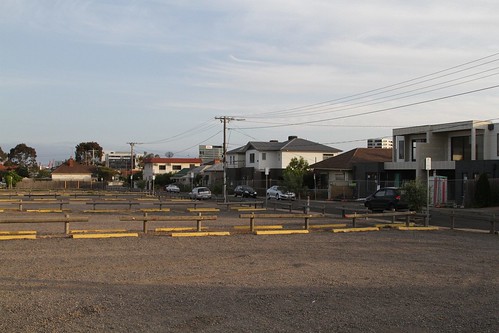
[(132, 144), (225, 120)]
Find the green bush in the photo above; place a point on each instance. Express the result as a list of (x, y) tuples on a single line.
[(415, 195)]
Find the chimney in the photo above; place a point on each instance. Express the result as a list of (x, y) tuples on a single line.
[(291, 137), (71, 162)]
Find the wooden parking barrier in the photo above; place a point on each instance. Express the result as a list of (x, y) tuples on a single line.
[(491, 218), (249, 203), (193, 203), (66, 220), (288, 205), (20, 203), (254, 216), (203, 210), (393, 215), (130, 203), (308, 207), (145, 219)]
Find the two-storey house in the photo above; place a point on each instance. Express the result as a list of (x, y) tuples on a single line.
[(158, 165), (257, 161)]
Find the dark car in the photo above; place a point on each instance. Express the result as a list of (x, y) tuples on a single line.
[(244, 191), (388, 198)]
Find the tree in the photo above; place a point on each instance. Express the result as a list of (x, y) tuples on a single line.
[(3, 155), (88, 152), (11, 178), (414, 193), (483, 194), (106, 174), (294, 173), (163, 179), (23, 156)]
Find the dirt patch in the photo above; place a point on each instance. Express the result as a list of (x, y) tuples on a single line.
[(387, 281)]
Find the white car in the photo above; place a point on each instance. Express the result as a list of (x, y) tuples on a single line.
[(280, 192), (172, 188), (199, 193)]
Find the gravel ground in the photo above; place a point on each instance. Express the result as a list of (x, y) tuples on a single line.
[(387, 281)]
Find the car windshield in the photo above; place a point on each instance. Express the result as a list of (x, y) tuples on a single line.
[(203, 189), (283, 189)]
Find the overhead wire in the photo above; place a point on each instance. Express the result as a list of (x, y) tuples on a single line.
[(373, 92), (379, 110)]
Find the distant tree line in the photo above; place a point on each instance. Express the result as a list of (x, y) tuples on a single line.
[(20, 162)]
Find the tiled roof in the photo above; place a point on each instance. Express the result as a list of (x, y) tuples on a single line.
[(293, 145), (173, 160), (72, 167), (346, 160)]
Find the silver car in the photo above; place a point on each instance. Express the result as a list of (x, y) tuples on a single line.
[(172, 188), (200, 193), (280, 192)]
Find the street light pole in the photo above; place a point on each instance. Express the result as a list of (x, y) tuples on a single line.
[(132, 144)]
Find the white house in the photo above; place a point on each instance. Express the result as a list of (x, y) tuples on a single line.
[(256, 160), (277, 155), (158, 166)]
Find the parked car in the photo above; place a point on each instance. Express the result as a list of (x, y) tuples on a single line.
[(388, 198), (244, 191), (280, 192), (172, 188), (200, 193)]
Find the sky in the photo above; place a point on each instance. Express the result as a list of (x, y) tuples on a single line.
[(162, 72)]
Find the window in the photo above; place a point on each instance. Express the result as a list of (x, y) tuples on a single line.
[(460, 148), (264, 156), (497, 144), (339, 176), (162, 167), (401, 148), (252, 158), (414, 145), (176, 167)]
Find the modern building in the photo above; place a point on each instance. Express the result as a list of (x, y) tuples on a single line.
[(458, 151), (120, 160), (384, 143), (209, 153)]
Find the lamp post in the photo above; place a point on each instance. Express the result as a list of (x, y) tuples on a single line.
[(428, 168), (267, 170), (153, 178)]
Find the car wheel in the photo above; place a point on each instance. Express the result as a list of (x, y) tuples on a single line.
[(391, 207), (277, 197)]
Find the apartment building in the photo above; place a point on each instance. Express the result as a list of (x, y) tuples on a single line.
[(459, 151)]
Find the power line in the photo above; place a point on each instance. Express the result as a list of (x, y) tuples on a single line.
[(377, 91), (379, 110)]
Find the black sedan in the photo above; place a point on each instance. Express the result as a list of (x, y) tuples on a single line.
[(244, 191)]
